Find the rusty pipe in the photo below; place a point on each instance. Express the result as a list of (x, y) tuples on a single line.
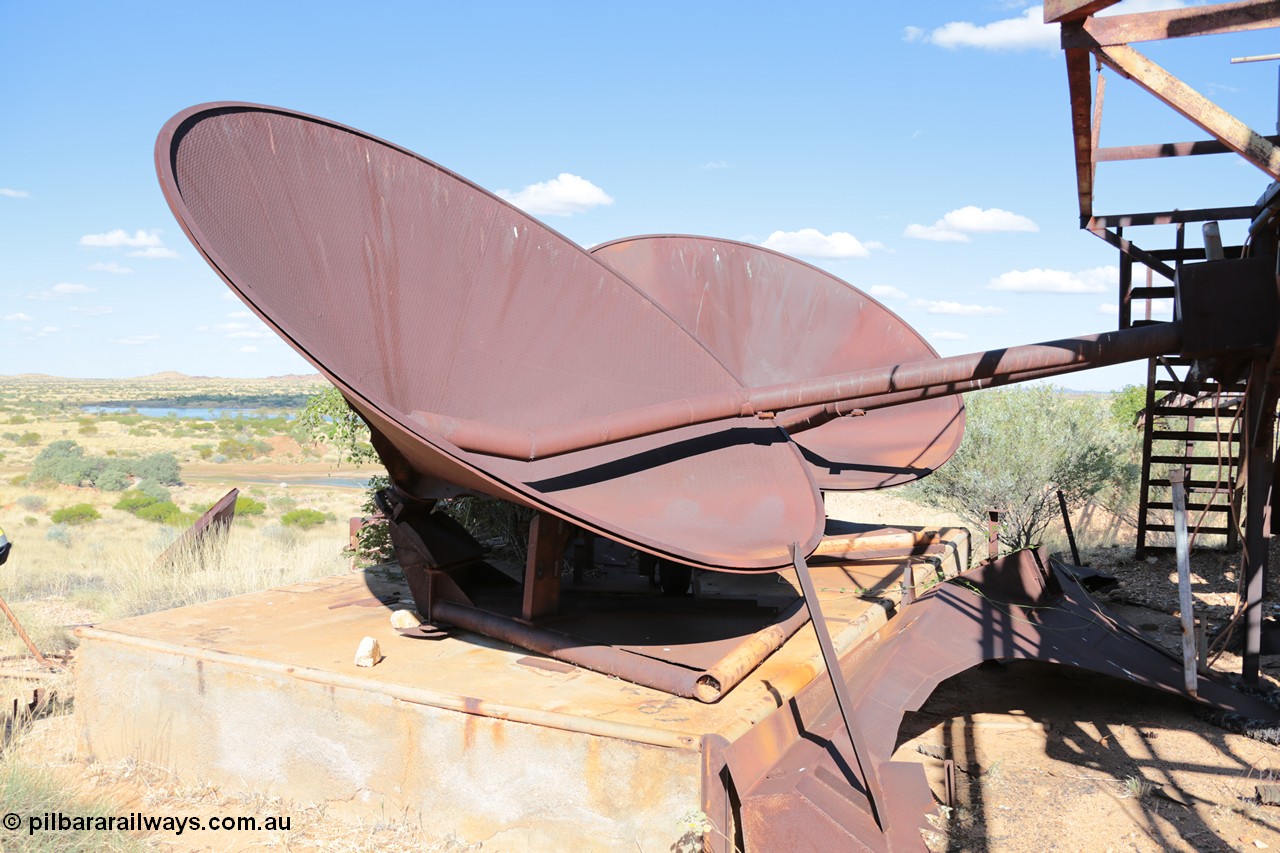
[(895, 385), (704, 685), (799, 420)]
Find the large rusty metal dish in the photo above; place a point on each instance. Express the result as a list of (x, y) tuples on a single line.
[(773, 319), (427, 300)]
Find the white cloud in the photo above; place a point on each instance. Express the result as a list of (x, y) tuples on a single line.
[(120, 238), (61, 291), (17, 318), (956, 225), (1027, 31), (715, 164), (240, 330), (239, 314), (886, 291), (91, 310), (12, 193), (942, 335), (935, 306), (153, 252), (812, 243), (1108, 308), (228, 296), (45, 331), (111, 267), (1096, 280), (137, 340), (562, 196), (248, 348)]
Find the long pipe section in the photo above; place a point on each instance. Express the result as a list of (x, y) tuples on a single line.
[(879, 387)]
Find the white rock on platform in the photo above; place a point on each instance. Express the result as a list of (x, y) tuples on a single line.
[(368, 653), (405, 619)]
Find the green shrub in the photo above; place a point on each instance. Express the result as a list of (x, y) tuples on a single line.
[(134, 500), (283, 503), (167, 512), (373, 541), (205, 450), (1128, 403), (58, 533), (88, 427), (35, 503), (303, 519), (1021, 445), (30, 521), (113, 476), (18, 419), (27, 439), (62, 462), (159, 468), (155, 491), (65, 462), (235, 448), (246, 505), (76, 514)]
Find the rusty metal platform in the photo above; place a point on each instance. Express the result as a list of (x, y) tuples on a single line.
[(484, 740)]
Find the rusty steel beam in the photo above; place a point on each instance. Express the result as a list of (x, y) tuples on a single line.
[(939, 376), (1080, 94), (1165, 149), (1056, 11), (1141, 255), (1233, 133), (1174, 23), (1167, 217)]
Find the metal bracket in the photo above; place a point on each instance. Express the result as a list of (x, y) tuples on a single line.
[(843, 700)]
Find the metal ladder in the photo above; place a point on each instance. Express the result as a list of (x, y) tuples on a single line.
[(1180, 430)]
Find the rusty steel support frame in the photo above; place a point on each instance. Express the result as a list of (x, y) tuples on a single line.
[(1108, 41), (875, 792), (1260, 406), (548, 536)]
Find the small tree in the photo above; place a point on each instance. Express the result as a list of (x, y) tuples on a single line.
[(327, 417), (1021, 446)]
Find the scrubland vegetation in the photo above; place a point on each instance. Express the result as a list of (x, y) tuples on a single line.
[(90, 500)]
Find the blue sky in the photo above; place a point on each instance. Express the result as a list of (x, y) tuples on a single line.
[(921, 151)]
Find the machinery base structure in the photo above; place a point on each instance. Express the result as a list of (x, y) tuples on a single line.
[(486, 742)]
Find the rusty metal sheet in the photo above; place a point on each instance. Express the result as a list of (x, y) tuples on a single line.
[(773, 319), (795, 773), (427, 300), (215, 520)]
